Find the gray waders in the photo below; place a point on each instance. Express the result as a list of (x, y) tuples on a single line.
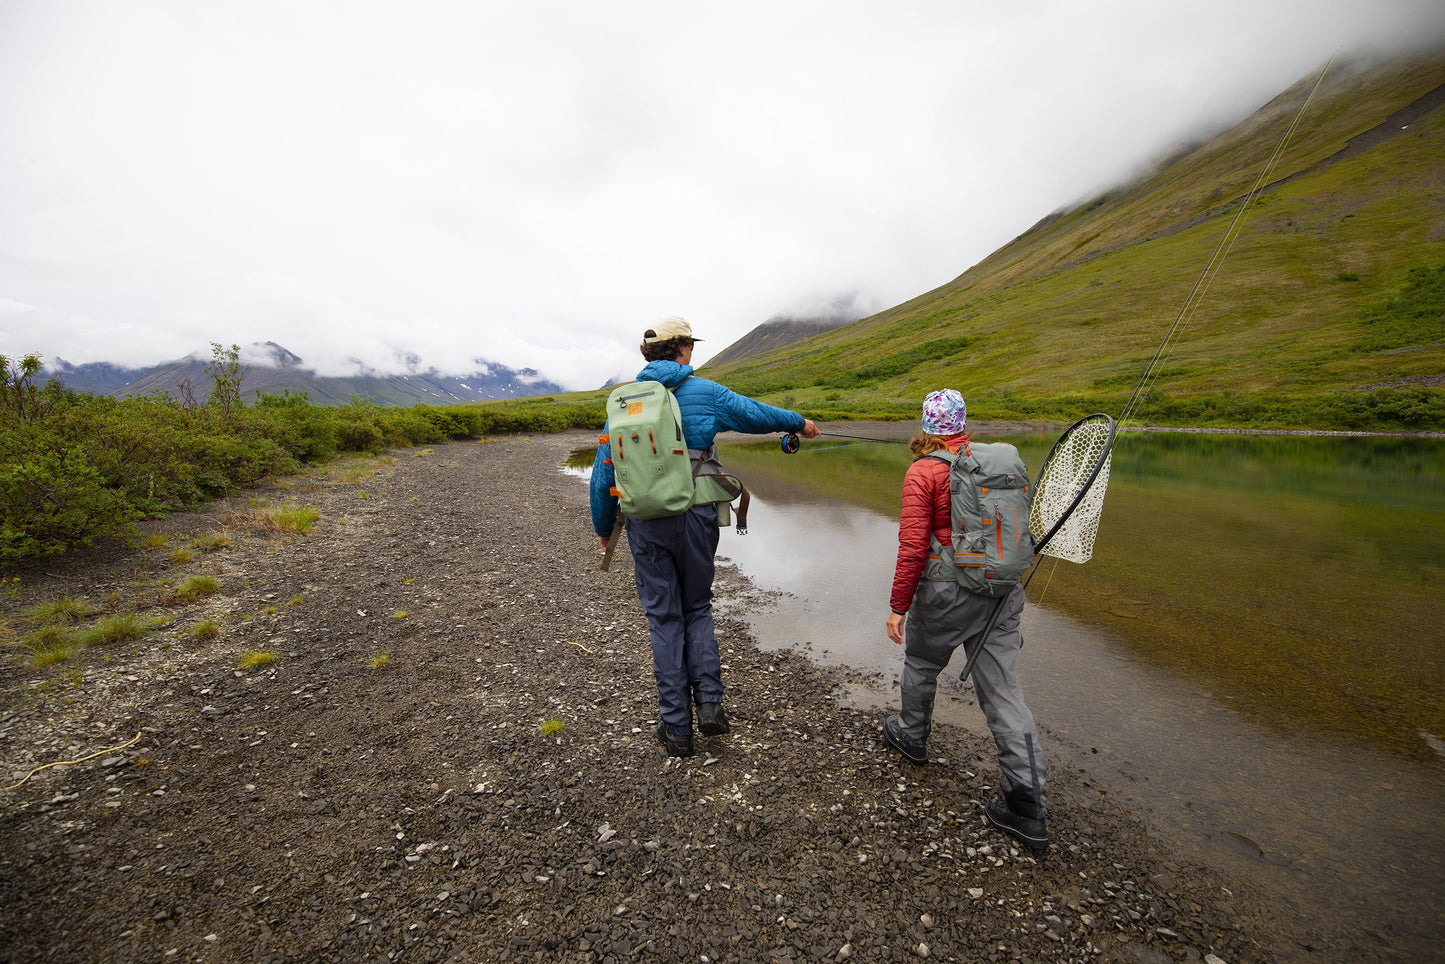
[(942, 618)]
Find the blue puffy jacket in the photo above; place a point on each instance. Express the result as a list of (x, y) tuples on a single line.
[(707, 409)]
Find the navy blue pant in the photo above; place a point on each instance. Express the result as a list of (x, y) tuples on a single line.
[(673, 568)]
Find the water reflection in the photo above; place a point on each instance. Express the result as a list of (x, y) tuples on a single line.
[(1299, 576), (1263, 570)]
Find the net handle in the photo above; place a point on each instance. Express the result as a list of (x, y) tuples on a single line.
[(973, 646), (1088, 483)]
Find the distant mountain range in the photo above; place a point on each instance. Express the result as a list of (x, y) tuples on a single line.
[(272, 369)]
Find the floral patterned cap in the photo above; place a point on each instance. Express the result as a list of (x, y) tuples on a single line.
[(944, 413)]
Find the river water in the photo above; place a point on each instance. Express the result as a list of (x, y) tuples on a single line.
[(1252, 659)]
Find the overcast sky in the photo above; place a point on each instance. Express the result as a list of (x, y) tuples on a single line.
[(533, 182)]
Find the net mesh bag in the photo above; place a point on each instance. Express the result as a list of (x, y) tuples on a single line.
[(1066, 472)]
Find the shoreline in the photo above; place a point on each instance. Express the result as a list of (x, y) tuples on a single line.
[(322, 808)]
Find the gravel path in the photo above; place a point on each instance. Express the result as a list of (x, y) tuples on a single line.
[(322, 808)]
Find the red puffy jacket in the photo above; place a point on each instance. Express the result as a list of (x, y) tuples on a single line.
[(925, 512)]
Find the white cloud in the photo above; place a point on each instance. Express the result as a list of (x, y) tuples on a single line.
[(531, 183)]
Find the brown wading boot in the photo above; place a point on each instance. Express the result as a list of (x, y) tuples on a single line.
[(675, 743), (712, 719), (1026, 830)]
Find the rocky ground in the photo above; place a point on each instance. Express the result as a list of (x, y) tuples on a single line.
[(390, 787)]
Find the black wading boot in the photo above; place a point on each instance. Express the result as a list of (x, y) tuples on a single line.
[(1029, 831), (712, 719), (914, 751), (677, 744)]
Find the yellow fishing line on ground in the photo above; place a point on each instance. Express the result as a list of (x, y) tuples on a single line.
[(62, 763)]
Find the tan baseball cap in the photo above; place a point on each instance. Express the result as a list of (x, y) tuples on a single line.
[(667, 328)]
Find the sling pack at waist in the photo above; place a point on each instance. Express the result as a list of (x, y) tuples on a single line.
[(712, 484), (989, 495)]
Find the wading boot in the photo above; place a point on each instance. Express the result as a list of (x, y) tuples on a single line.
[(914, 751), (1026, 830), (712, 719), (676, 744)]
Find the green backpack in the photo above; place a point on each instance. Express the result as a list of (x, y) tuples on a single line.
[(649, 454), (989, 495)]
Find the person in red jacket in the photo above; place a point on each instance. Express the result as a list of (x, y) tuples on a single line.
[(942, 616)]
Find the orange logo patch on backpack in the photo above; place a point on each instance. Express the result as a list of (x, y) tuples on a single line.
[(634, 408)]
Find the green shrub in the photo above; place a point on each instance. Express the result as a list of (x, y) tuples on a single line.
[(356, 433), (55, 500), (308, 433)]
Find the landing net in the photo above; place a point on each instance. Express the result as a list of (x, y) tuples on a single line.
[(1069, 495)]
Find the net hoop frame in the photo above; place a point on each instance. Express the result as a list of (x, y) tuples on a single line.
[(1088, 483)]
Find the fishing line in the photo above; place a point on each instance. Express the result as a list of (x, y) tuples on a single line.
[(829, 448), (1031, 612), (1215, 261)]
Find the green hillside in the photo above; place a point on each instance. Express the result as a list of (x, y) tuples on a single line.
[(1328, 312)]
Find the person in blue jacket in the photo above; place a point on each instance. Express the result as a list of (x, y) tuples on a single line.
[(673, 556)]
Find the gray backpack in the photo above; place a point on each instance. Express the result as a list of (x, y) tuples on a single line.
[(989, 496)]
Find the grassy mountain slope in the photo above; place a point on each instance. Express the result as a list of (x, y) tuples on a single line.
[(772, 335), (1314, 318)]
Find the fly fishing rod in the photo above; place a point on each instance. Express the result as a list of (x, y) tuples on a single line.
[(1069, 495), (792, 443)]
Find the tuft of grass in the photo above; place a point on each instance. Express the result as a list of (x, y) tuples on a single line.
[(197, 587), (206, 629), (257, 658), (67, 610), (120, 628), (353, 474), (270, 611), (290, 517), (553, 725), (182, 556), (285, 517), (378, 660), (212, 542), (49, 645), (296, 600), (400, 614), (424, 453), (156, 542)]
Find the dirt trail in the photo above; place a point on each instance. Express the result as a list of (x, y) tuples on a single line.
[(323, 809)]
